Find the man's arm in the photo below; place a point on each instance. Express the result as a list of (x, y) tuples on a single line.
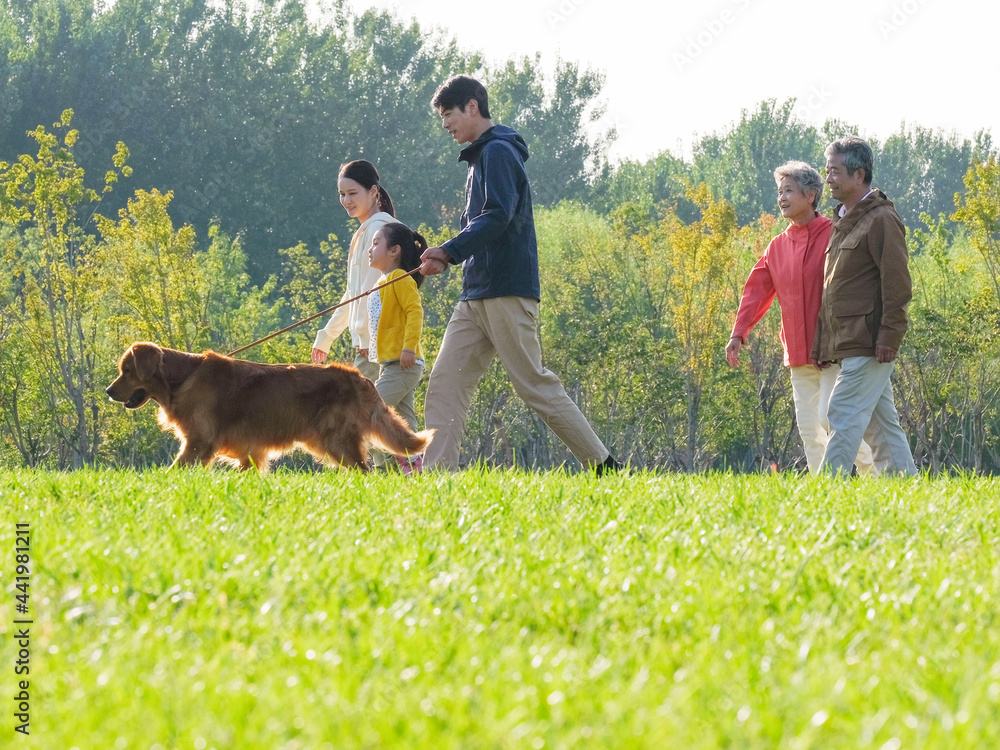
[(814, 354), (887, 244), (502, 173)]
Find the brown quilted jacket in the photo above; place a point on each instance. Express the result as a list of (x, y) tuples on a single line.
[(866, 283)]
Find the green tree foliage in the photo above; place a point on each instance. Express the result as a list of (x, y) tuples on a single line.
[(739, 164), (752, 411), (53, 300), (634, 316), (658, 182), (949, 371), (556, 120), (171, 292), (245, 111), (918, 168), (313, 282), (921, 169), (979, 210), (699, 256), (157, 293), (73, 299), (606, 331)]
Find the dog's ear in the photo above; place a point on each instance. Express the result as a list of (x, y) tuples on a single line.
[(173, 366), (147, 358)]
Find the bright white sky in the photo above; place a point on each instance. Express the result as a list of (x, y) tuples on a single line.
[(676, 70)]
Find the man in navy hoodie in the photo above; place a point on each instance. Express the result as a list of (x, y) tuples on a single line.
[(496, 315)]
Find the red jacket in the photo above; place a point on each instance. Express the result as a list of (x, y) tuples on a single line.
[(791, 269)]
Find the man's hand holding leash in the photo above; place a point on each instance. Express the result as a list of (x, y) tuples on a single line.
[(434, 261)]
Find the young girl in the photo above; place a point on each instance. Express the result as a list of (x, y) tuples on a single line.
[(367, 201), (395, 317)]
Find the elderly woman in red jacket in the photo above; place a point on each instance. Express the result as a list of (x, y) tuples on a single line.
[(791, 269)]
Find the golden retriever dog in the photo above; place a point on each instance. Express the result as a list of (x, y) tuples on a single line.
[(250, 413)]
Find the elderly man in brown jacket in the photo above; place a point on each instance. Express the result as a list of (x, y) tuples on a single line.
[(862, 319)]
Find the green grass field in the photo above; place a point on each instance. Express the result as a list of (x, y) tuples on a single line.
[(209, 609)]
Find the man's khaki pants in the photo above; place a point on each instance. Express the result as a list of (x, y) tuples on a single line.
[(504, 327)]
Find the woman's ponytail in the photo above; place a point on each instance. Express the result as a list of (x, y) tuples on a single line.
[(385, 202)]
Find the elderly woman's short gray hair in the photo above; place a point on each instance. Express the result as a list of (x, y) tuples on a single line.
[(806, 177)]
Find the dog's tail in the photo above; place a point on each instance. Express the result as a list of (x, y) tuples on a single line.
[(390, 433)]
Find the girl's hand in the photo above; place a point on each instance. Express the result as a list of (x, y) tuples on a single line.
[(407, 359), (318, 356)]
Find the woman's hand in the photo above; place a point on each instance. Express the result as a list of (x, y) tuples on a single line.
[(318, 356), (407, 359), (733, 351)]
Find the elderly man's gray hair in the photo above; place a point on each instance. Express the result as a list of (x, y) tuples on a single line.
[(857, 155)]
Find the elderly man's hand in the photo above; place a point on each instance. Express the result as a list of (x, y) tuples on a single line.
[(884, 353)]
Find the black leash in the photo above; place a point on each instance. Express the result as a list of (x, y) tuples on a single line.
[(322, 312)]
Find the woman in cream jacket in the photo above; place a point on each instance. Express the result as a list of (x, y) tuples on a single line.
[(367, 201)]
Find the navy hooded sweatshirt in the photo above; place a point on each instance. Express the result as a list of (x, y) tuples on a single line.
[(497, 244)]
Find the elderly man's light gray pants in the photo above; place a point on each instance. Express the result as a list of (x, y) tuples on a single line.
[(862, 407)]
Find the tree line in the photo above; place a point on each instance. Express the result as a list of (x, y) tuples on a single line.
[(245, 111), (635, 313), (218, 130)]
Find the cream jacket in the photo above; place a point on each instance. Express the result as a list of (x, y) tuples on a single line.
[(360, 278)]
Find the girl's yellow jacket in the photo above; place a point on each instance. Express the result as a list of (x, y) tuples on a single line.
[(400, 320)]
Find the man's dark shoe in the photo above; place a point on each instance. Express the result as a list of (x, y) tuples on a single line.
[(610, 466)]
